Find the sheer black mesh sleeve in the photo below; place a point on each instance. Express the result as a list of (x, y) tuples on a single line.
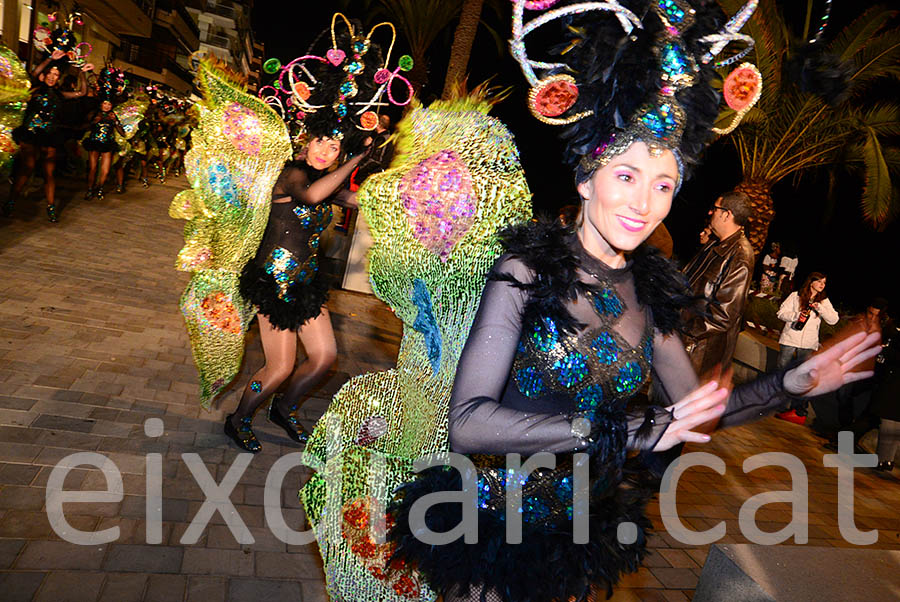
[(747, 402), (479, 422)]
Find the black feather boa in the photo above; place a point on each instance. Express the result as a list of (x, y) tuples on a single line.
[(551, 251)]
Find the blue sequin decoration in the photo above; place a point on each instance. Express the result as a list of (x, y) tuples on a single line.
[(535, 509), (355, 68), (426, 324), (647, 349), (674, 61), (606, 348), (564, 491), (221, 184), (607, 302), (571, 370), (673, 12), (347, 88), (341, 110), (545, 335), (589, 398), (660, 121), (629, 378), (530, 382), (256, 386)]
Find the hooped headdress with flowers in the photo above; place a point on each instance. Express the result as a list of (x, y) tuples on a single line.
[(338, 88), (631, 70), (111, 84)]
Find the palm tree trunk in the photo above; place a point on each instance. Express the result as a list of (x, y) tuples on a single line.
[(462, 45), (418, 75), (760, 195)]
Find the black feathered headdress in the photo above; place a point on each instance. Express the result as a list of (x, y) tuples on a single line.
[(627, 71), (335, 90)]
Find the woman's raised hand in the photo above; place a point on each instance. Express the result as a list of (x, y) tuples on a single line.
[(698, 407), (57, 54), (832, 369)]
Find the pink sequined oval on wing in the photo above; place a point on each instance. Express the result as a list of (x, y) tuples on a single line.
[(440, 201), (242, 128)]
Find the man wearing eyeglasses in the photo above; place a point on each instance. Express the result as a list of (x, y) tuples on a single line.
[(720, 273)]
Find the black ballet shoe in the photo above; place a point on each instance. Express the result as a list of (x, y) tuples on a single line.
[(243, 435), (120, 189), (51, 214), (289, 423), (8, 207), (89, 194), (885, 466), (99, 194), (145, 183)]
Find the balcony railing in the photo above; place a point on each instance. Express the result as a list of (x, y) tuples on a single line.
[(177, 6), (221, 9), (216, 40)]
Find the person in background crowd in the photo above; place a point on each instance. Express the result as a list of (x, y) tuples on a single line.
[(39, 133), (720, 273), (770, 270), (802, 313)]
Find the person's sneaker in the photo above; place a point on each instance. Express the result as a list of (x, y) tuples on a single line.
[(89, 194), (145, 183), (885, 466), (120, 189), (791, 416), (51, 214)]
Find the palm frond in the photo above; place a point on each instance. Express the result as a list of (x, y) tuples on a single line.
[(878, 59), (421, 21), (883, 119), (878, 191), (857, 35)]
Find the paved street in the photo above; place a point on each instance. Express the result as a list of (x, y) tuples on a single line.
[(92, 345)]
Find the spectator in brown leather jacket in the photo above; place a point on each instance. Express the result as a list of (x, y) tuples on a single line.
[(720, 273)]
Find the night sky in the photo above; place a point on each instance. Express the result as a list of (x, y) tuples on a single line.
[(834, 240)]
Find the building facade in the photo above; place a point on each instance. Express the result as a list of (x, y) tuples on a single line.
[(150, 39), (225, 33)]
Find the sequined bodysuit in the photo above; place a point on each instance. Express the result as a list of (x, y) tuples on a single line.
[(40, 125), (281, 280)]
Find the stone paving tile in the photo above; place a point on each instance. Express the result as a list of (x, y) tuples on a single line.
[(55, 555), (143, 558), (66, 586), (123, 588), (21, 586)]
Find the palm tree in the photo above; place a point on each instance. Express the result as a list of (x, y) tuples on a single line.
[(462, 45), (791, 132), (420, 22)]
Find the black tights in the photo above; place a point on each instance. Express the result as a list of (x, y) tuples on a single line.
[(280, 349)]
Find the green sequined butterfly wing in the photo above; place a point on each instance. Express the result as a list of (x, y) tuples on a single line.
[(239, 148), (15, 88)]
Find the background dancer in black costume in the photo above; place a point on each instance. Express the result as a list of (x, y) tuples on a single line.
[(39, 133)]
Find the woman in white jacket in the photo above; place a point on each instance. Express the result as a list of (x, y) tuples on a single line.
[(804, 312)]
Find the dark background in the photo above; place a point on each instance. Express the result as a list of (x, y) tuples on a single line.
[(828, 236)]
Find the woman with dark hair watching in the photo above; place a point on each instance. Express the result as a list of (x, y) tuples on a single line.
[(39, 133), (803, 313)]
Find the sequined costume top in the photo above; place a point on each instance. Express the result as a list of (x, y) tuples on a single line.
[(42, 112), (103, 130), (290, 244), (522, 377)]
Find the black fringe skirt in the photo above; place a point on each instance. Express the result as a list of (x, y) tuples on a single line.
[(39, 138), (305, 301), (547, 566)]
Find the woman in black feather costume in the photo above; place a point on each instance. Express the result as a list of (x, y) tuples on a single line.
[(575, 319)]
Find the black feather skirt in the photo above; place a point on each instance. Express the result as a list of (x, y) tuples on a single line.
[(547, 565), (42, 138), (303, 301)]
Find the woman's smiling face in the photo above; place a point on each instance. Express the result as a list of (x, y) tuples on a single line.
[(625, 200)]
